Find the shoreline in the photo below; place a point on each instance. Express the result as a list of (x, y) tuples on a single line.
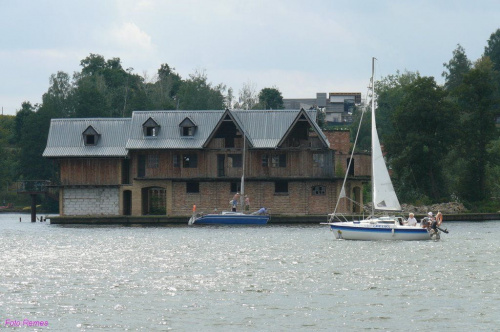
[(275, 219)]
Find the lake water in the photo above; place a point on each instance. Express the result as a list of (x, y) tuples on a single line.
[(271, 278)]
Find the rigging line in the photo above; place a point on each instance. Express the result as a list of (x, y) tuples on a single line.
[(350, 161)]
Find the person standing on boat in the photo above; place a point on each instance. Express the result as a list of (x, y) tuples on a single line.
[(247, 203), (236, 197), (411, 220)]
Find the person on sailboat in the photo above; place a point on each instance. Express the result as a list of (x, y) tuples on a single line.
[(411, 220), (436, 223), (439, 218), (427, 221)]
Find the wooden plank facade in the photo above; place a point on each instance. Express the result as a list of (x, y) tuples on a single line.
[(173, 160)]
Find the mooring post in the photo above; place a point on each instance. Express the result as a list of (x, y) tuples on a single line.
[(33, 207)]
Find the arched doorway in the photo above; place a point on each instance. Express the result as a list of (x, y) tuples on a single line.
[(154, 201)]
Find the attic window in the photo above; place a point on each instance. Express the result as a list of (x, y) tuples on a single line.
[(90, 136), (151, 128), (90, 140), (187, 127), (151, 131)]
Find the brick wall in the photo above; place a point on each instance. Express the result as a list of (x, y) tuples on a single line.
[(91, 201), (298, 201), (339, 140)]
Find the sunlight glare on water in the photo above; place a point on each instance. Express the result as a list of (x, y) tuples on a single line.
[(245, 278)]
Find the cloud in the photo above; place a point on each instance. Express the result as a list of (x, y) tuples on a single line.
[(130, 36)]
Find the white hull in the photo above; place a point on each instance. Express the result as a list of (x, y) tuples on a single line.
[(368, 231)]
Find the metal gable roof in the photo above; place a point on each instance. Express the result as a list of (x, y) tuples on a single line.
[(66, 138), (267, 128), (169, 136), (264, 129), (311, 118)]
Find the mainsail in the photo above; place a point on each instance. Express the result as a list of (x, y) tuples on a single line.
[(383, 195)]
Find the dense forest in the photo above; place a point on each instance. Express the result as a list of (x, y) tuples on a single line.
[(442, 142)]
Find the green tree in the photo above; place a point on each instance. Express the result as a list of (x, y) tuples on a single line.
[(423, 125), (26, 111), (492, 50), (90, 101), (35, 129), (196, 93), (271, 98), (457, 67), (8, 151), (390, 91), (476, 100), (59, 98)]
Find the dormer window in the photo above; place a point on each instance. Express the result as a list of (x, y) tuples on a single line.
[(90, 136), (187, 127), (151, 128), (90, 140)]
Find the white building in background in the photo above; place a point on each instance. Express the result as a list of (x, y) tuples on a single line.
[(338, 106)]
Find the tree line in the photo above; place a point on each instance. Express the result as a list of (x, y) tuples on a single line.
[(103, 88), (442, 142)]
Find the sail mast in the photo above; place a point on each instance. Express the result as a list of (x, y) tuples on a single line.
[(242, 185), (373, 132)]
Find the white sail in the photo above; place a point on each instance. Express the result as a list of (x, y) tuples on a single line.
[(383, 195)]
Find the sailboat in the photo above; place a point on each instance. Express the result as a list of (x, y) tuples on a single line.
[(230, 217), (384, 199)]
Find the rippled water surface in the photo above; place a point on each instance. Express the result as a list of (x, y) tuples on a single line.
[(245, 278)]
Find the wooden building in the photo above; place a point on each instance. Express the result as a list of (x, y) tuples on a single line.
[(164, 162)]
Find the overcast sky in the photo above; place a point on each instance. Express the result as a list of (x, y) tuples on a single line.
[(299, 47)]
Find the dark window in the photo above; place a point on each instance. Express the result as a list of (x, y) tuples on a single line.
[(153, 161), (235, 187), (235, 160), (176, 160), (187, 131), (192, 187), (351, 168), (220, 165), (151, 131), (190, 160), (278, 160), (141, 166), (126, 171), (90, 140), (318, 190), (281, 187), (319, 160), (229, 142), (265, 160)]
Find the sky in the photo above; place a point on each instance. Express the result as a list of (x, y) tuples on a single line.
[(299, 47)]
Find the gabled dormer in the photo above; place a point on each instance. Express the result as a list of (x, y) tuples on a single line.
[(151, 128), (90, 136), (303, 132), (187, 127)]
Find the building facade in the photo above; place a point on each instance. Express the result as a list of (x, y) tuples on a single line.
[(164, 162), (337, 106)]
